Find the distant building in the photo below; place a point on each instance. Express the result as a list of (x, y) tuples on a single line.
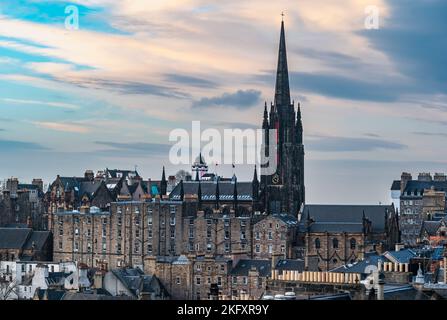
[(420, 200), (25, 244)]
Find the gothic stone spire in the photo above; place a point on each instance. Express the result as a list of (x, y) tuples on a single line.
[(282, 91)]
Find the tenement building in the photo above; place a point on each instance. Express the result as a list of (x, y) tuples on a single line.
[(335, 235), (420, 200)]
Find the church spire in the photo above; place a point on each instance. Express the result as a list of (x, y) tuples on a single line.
[(265, 123), (299, 125), (282, 91), (163, 183)]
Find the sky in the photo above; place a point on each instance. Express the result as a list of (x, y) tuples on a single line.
[(108, 93)]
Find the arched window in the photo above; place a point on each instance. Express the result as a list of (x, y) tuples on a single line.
[(317, 243), (335, 243), (353, 243)]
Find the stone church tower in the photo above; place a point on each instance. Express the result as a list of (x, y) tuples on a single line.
[(282, 191)]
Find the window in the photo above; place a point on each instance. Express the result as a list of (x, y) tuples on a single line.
[(198, 280), (89, 232), (197, 246), (222, 267), (270, 248), (177, 281), (137, 232), (243, 235), (191, 246), (243, 223), (149, 220), (191, 221), (149, 233), (317, 243), (23, 268), (89, 220), (219, 281), (244, 280), (60, 245), (258, 235), (149, 248), (89, 247), (137, 247), (209, 247), (104, 232), (173, 209), (277, 226), (120, 220), (208, 222), (335, 243), (335, 261), (191, 232), (258, 248), (76, 232), (227, 247), (149, 210), (208, 280), (61, 231), (283, 248), (119, 233), (137, 220), (104, 220), (172, 232), (227, 234), (208, 232), (226, 222), (104, 246), (234, 280), (172, 221), (353, 243), (270, 235), (76, 247)]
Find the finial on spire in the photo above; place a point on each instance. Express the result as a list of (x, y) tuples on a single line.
[(282, 16)]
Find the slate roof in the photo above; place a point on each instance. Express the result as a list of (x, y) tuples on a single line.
[(124, 173), (136, 281), (51, 294), (243, 267), (401, 256), (83, 296), (340, 218), (431, 227), (208, 189), (361, 266), (22, 186), (287, 219), (419, 186), (38, 238), (336, 227), (13, 238), (289, 264)]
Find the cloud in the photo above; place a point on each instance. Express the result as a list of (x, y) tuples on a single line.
[(241, 99), (430, 134), (132, 148), (62, 126), (236, 125), (191, 81), (413, 38), (62, 105), (12, 146), (130, 87), (347, 144)]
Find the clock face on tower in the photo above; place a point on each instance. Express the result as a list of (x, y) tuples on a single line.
[(275, 178)]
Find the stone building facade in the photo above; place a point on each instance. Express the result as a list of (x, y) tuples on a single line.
[(275, 234), (335, 235), (122, 236), (419, 200)]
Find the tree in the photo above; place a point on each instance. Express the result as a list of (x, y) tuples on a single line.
[(181, 175)]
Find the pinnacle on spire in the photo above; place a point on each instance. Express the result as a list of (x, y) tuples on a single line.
[(182, 190), (265, 122), (255, 175), (282, 91), (163, 175)]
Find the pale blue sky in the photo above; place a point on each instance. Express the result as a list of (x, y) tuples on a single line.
[(107, 95)]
